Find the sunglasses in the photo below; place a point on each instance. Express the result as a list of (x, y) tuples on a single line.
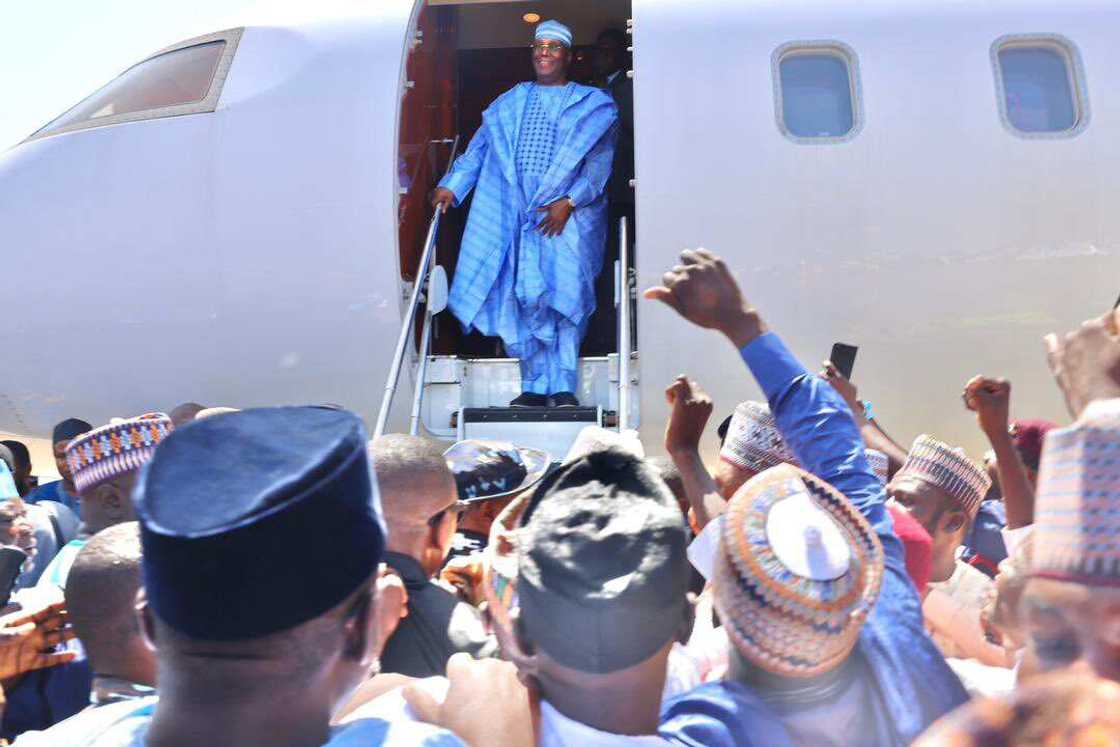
[(547, 48), (458, 508)]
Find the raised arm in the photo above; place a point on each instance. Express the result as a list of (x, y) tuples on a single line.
[(813, 419), (874, 437), (690, 408), (1086, 361), (990, 399)]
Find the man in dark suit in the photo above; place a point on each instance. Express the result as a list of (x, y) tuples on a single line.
[(611, 65), (612, 61)]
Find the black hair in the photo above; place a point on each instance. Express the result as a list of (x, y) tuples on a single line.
[(723, 428), (19, 451), (615, 35)]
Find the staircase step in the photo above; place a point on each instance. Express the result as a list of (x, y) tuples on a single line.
[(586, 415), (552, 430)]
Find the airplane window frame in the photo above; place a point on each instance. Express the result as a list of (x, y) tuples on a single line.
[(207, 104), (834, 48), (1075, 72)]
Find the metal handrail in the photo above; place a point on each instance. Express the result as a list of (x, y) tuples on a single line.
[(423, 272), (406, 327), (624, 342), (421, 375), (425, 348)]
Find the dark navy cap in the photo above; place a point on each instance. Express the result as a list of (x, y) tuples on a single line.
[(68, 429), (254, 522), (603, 574)]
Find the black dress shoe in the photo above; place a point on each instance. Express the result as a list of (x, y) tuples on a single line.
[(528, 399), (563, 399)]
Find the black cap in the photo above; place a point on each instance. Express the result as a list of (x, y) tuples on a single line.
[(603, 574), (69, 429), (494, 469), (256, 521)]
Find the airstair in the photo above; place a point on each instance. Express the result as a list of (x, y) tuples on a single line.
[(456, 397)]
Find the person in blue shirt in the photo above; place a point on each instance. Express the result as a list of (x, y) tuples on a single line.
[(537, 229), (893, 682), (62, 491)]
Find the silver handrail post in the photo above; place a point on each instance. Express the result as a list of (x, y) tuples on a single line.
[(624, 342), (421, 373), (422, 273), (406, 327)]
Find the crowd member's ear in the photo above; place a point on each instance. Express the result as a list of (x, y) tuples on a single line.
[(358, 633), (110, 498), (144, 619)]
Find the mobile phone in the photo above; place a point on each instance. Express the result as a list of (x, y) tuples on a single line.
[(844, 358), (11, 564)]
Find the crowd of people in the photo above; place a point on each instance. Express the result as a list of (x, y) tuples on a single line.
[(272, 577)]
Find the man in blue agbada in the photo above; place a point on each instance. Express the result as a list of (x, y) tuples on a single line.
[(536, 234), (826, 628)]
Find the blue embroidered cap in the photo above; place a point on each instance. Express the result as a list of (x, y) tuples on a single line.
[(254, 522), (556, 31)]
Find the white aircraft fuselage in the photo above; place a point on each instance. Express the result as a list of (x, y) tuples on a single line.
[(248, 255)]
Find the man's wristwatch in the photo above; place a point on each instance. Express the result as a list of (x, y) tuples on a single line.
[(572, 203)]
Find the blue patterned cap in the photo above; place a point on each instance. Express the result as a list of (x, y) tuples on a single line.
[(556, 31)]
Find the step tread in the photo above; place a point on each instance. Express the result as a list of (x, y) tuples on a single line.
[(530, 414)]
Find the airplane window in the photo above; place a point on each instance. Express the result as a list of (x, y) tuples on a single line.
[(181, 76), (1038, 88), (816, 94)]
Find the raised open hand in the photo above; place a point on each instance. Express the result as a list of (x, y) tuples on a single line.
[(1086, 362), (27, 639)]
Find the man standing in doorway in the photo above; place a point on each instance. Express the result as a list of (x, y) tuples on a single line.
[(612, 61), (611, 64), (537, 229)]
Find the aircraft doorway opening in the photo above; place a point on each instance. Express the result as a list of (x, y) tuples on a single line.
[(467, 53)]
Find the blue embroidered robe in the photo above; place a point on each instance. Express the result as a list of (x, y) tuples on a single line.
[(511, 281)]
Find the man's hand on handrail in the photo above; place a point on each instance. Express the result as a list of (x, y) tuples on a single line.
[(442, 199)]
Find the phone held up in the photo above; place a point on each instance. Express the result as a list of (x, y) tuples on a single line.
[(844, 358)]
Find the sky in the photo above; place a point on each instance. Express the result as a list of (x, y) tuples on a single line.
[(54, 53)]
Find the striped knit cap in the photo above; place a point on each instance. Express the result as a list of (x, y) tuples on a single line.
[(1077, 511), (797, 573), (753, 440), (949, 469), (880, 464), (115, 449)]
